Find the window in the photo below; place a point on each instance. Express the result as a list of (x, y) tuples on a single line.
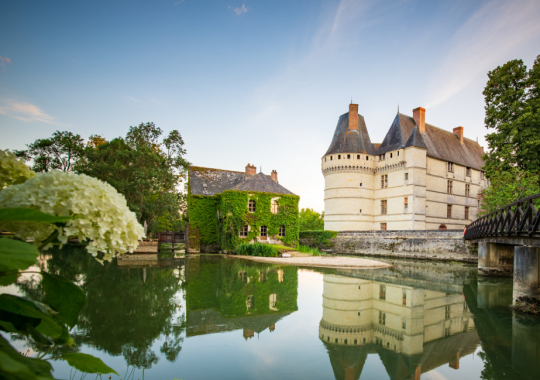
[(442, 227), (384, 181), (406, 205), (447, 312), (449, 187), (468, 172), (383, 226), (348, 156), (404, 297), (450, 167), (360, 211), (244, 231), (282, 231), (264, 232), (330, 158), (367, 158), (250, 301), (356, 341), (406, 176), (391, 155), (481, 175), (357, 156), (360, 184), (398, 153), (382, 318), (449, 211), (404, 325), (466, 212), (384, 204), (382, 292), (272, 301), (447, 331), (251, 205), (467, 190), (274, 207), (339, 156)]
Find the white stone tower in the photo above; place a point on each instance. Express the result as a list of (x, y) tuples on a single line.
[(348, 167)]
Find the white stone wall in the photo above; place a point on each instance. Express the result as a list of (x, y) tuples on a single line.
[(350, 206)]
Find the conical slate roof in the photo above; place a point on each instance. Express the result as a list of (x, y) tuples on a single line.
[(416, 139), (350, 141), (262, 183)]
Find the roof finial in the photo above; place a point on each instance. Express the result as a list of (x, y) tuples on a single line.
[(351, 99)]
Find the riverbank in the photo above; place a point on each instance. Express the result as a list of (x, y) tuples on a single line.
[(318, 261)]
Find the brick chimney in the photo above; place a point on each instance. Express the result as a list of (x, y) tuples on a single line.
[(353, 117), (251, 170), (274, 175), (419, 116), (459, 132)]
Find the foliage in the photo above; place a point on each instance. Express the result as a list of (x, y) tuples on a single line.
[(310, 220), (202, 215), (507, 187), (320, 237), (146, 171), (235, 214), (45, 323), (61, 151), (512, 97), (12, 170), (306, 249), (256, 249), (101, 217)]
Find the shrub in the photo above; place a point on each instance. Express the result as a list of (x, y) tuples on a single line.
[(320, 236), (307, 249), (256, 249)]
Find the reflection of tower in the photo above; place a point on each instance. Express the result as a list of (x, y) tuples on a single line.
[(411, 329)]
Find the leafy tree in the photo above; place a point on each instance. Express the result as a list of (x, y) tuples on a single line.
[(61, 151), (311, 220), (507, 187), (512, 97)]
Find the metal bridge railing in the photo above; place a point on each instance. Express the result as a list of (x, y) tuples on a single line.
[(518, 219)]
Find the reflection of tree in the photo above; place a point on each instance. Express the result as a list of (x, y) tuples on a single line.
[(126, 311)]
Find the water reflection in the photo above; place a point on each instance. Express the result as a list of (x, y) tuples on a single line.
[(231, 294), (413, 330)]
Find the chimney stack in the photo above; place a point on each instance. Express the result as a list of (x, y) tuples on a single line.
[(353, 117), (419, 116), (274, 176), (251, 170), (459, 132)]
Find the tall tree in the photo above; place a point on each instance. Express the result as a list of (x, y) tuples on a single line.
[(310, 220), (512, 97), (61, 151)]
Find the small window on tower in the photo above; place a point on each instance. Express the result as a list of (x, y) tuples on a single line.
[(406, 176), (348, 156), (325, 159), (339, 156), (360, 184), (391, 155), (357, 156), (398, 153), (330, 158), (367, 158)]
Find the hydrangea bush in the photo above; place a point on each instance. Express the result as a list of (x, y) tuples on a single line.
[(12, 170), (102, 218)]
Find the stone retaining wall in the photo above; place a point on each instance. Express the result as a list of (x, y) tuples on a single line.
[(430, 244)]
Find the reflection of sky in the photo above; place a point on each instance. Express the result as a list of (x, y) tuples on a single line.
[(292, 351)]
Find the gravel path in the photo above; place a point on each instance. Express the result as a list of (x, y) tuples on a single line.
[(320, 261)]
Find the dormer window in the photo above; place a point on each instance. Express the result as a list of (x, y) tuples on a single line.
[(251, 205), (450, 167)]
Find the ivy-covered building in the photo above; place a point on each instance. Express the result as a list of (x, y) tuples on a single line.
[(226, 208)]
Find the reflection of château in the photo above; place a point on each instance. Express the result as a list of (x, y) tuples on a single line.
[(413, 330), (226, 295)]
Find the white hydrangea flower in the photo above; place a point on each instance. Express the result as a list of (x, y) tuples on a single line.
[(12, 170), (102, 216)]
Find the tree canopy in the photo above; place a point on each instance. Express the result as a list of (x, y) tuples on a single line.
[(311, 220)]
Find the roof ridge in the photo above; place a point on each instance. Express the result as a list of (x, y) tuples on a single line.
[(221, 170)]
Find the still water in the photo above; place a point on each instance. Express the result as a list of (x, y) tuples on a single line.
[(212, 317)]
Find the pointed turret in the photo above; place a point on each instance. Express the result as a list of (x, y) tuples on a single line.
[(351, 135)]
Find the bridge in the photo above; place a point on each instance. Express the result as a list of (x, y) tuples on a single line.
[(509, 243)]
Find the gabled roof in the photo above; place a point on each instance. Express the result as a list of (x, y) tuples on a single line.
[(262, 183), (440, 144), (208, 181), (350, 141)]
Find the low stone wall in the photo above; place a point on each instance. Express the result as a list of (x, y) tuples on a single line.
[(431, 244)]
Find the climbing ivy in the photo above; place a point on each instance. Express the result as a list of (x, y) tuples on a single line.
[(202, 214), (235, 214)]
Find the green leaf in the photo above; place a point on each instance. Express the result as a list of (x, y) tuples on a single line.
[(28, 308), (14, 366), (87, 363), (8, 279), (65, 338), (64, 296), (16, 255), (19, 214)]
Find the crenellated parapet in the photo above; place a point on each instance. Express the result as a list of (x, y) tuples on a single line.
[(348, 169), (391, 168)]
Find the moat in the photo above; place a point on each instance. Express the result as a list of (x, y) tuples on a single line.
[(210, 316)]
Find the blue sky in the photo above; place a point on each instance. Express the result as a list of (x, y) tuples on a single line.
[(262, 82)]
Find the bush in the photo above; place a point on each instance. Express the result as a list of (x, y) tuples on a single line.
[(320, 236), (305, 249), (256, 249)]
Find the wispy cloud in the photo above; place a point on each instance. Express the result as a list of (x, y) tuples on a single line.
[(239, 10), (24, 111), (493, 35), (3, 61), (178, 2)]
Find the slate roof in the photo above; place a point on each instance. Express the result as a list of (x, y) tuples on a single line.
[(208, 181), (440, 144), (262, 183), (352, 141)]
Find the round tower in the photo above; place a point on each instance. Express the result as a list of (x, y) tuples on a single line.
[(348, 169)]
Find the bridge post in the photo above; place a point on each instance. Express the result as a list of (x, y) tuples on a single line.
[(526, 272), (495, 259)]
